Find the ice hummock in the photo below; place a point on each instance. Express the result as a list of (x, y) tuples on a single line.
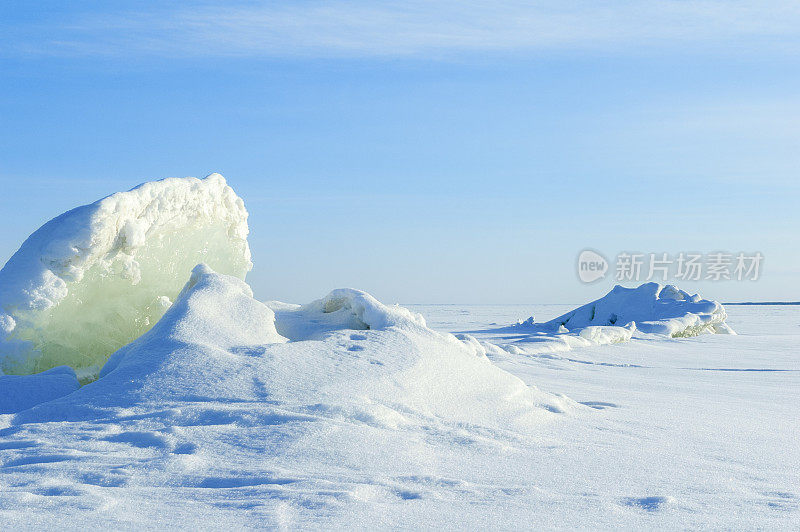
[(649, 310), (93, 279)]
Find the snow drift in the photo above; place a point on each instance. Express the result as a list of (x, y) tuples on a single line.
[(345, 356), (93, 279), (339, 402)]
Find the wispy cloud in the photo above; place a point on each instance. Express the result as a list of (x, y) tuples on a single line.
[(350, 28)]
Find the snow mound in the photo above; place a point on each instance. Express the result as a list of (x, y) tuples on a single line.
[(345, 357), (93, 279), (213, 314), (651, 308), (344, 308), (398, 361), (315, 408)]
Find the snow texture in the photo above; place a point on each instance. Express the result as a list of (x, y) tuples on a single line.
[(93, 279), (20, 392), (670, 434)]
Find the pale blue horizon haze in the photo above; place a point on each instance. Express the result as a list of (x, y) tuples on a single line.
[(427, 152)]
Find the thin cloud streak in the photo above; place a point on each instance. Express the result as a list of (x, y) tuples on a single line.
[(347, 28)]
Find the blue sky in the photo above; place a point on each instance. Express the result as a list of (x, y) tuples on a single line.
[(427, 152)]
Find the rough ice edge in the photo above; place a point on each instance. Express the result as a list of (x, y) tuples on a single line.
[(64, 248), (36, 277), (344, 308), (367, 310)]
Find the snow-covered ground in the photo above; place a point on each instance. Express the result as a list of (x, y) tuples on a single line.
[(688, 432), (221, 411)]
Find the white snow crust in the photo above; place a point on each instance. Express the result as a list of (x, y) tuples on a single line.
[(93, 279), (237, 433)]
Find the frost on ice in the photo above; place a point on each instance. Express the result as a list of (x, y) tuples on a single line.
[(93, 279)]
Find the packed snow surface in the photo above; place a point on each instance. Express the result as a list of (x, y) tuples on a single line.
[(93, 279)]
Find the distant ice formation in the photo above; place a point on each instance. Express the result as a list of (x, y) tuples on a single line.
[(93, 279), (648, 310)]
